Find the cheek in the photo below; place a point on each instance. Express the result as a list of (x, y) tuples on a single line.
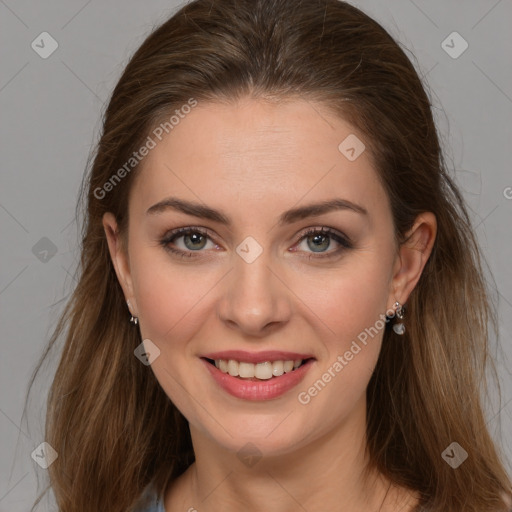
[(353, 298), (339, 384), (169, 296), (172, 301), (352, 303)]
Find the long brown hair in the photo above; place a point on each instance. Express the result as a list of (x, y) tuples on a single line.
[(114, 428)]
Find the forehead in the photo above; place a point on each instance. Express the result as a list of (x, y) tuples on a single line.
[(255, 154)]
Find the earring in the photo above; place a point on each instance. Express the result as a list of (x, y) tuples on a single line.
[(134, 320), (399, 328)]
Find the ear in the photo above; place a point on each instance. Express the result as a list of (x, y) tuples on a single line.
[(119, 256), (412, 256)]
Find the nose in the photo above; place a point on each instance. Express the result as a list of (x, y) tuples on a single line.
[(256, 300)]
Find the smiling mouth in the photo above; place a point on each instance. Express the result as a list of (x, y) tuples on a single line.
[(257, 371)]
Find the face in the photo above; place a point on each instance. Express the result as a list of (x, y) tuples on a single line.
[(261, 277)]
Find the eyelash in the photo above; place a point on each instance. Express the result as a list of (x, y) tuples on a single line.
[(178, 233)]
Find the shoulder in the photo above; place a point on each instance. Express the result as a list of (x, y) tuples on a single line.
[(149, 501)]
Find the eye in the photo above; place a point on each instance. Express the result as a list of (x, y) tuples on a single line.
[(192, 240), (320, 240), (186, 241)]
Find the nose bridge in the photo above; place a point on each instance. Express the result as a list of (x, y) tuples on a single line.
[(255, 297)]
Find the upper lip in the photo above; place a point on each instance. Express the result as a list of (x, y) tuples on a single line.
[(257, 357)]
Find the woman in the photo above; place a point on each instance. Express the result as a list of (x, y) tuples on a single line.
[(281, 303)]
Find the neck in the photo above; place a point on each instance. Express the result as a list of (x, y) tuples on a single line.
[(328, 473)]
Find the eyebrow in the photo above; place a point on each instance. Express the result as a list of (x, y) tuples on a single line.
[(288, 217)]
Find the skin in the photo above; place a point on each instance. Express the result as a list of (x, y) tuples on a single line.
[(253, 160)]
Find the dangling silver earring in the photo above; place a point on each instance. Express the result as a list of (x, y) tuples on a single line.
[(399, 327), (134, 320)]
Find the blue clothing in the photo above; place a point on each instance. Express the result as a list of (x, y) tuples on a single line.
[(150, 501)]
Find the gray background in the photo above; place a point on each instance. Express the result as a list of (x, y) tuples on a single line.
[(50, 120)]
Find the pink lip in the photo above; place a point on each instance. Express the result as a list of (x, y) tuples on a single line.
[(258, 390), (256, 357)]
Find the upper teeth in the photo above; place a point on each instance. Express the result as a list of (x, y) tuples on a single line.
[(265, 370)]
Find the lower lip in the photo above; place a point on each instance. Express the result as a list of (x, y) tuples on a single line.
[(258, 390)]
